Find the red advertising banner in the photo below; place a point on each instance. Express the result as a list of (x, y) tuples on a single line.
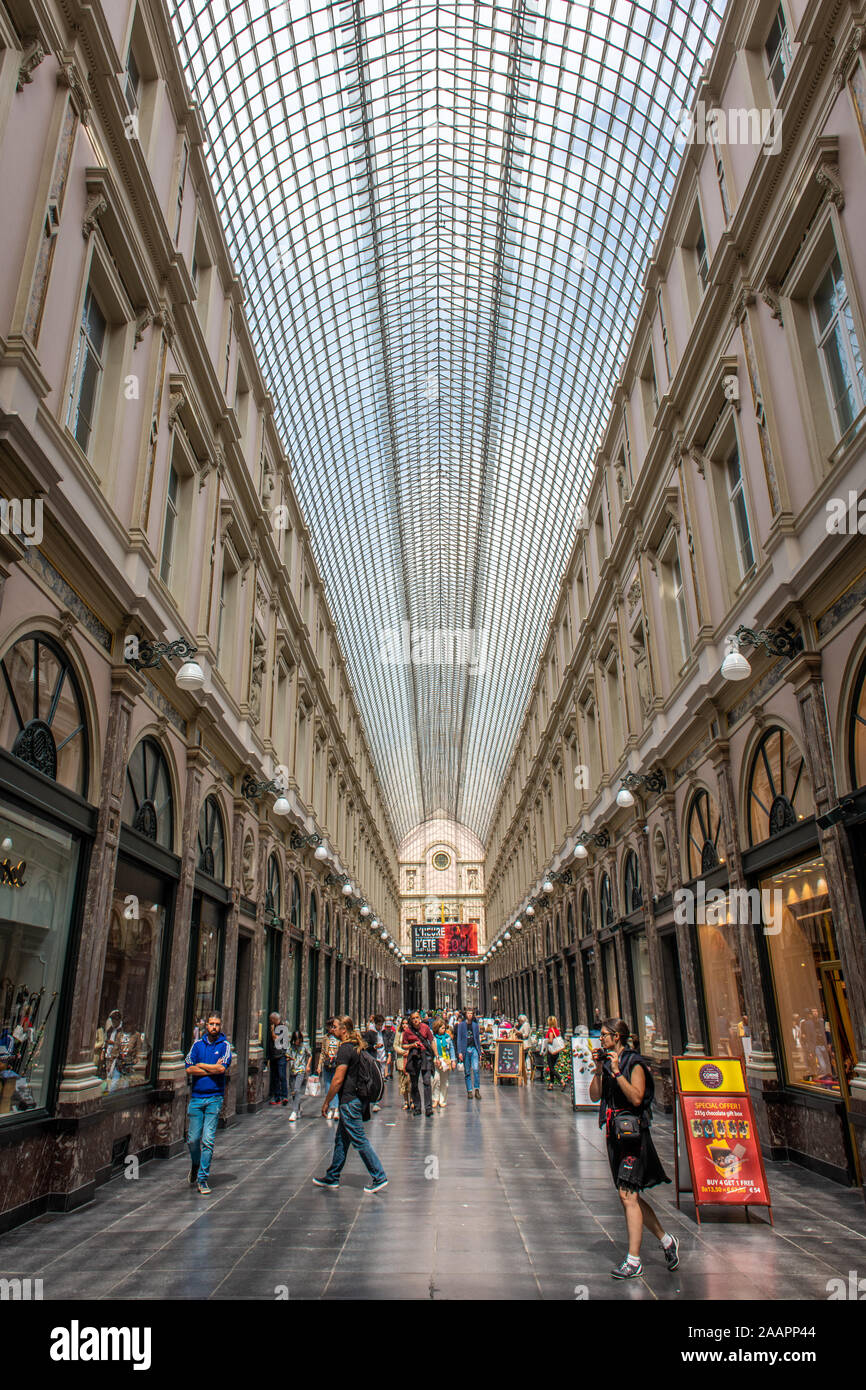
[(458, 939), (718, 1124), (444, 939)]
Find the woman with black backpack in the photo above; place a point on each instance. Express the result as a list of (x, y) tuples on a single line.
[(357, 1080), (623, 1083)]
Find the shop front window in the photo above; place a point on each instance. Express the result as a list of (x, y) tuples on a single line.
[(38, 869), (814, 1021), (605, 903), (123, 1045), (147, 800), (207, 962), (42, 718), (632, 891), (611, 979), (857, 737), (211, 840), (780, 793), (727, 1020), (702, 834), (644, 998)]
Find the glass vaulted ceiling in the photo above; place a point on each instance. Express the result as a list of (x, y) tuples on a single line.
[(441, 213)]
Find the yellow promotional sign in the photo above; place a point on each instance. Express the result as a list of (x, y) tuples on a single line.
[(711, 1075)]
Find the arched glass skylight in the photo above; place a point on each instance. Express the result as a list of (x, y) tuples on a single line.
[(441, 214)]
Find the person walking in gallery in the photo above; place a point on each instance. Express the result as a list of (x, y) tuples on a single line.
[(327, 1062), (624, 1087), (348, 1082), (207, 1063), (277, 1060), (420, 1051), (444, 1063), (299, 1060), (469, 1052), (554, 1044), (388, 1033), (400, 1064)]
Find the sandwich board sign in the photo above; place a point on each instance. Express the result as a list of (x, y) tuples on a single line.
[(717, 1123)]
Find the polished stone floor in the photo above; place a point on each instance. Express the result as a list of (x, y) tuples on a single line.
[(508, 1197)]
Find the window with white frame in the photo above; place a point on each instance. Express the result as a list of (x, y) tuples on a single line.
[(132, 81), (674, 604), (178, 213), (702, 258), (777, 50), (226, 617), (88, 371), (838, 348), (739, 512), (649, 393), (169, 530)]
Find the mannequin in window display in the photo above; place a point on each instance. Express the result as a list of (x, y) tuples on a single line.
[(109, 1044)]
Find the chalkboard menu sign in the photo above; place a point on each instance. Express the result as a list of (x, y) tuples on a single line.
[(508, 1061)]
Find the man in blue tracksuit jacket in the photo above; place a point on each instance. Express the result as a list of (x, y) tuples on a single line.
[(469, 1051), (207, 1063)]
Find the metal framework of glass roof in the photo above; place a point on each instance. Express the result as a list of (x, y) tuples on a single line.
[(441, 213)]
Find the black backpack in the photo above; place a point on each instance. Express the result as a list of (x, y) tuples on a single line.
[(370, 1086)]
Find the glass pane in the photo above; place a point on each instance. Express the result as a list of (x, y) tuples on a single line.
[(87, 398), (442, 218), (206, 965), (727, 1020), (839, 377), (644, 1023), (611, 980), (130, 979), (801, 937), (825, 300), (37, 884)]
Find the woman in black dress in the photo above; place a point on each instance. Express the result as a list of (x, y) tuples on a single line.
[(623, 1084)]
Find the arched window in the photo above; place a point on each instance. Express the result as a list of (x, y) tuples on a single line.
[(605, 903), (274, 890), (148, 805), (857, 732), (314, 915), (211, 840), (780, 793), (557, 933), (296, 902), (632, 891), (702, 834), (327, 924), (585, 914), (42, 719), (569, 924)]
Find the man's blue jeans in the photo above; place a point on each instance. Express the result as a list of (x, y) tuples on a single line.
[(203, 1112), (471, 1068), (350, 1130)]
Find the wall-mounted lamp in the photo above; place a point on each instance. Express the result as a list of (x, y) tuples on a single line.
[(252, 790), (298, 841), (150, 654), (652, 781), (776, 641)]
